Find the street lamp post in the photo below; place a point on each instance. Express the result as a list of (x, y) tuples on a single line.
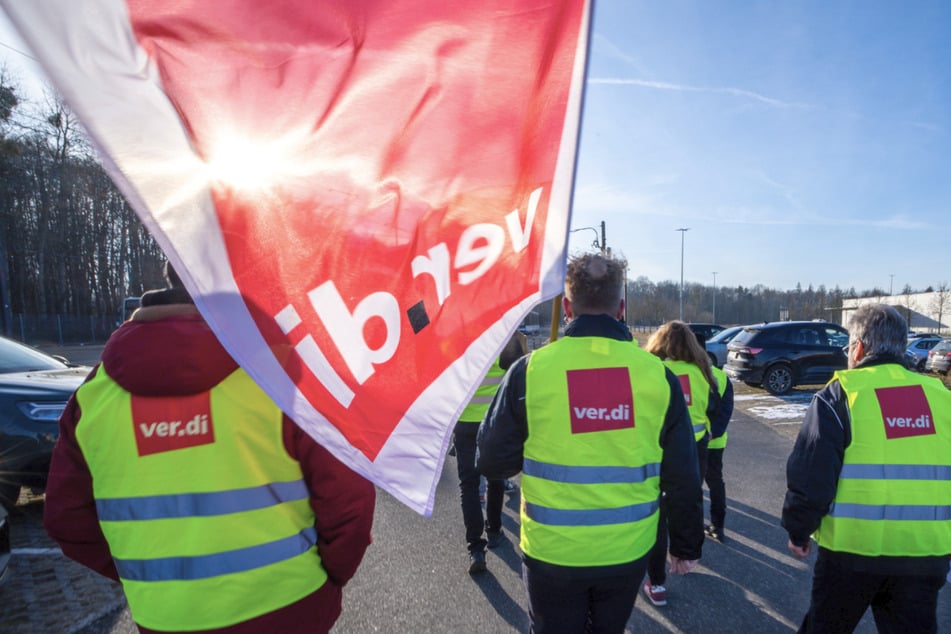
[(714, 297), (682, 230), (598, 244)]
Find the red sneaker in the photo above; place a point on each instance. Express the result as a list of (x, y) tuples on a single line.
[(655, 594)]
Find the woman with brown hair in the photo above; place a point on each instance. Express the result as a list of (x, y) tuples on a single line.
[(680, 351)]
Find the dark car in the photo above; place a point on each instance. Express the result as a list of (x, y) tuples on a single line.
[(705, 330), (939, 357), (716, 345), (781, 355), (34, 388)]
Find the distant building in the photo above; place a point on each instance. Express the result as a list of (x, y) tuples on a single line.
[(924, 312)]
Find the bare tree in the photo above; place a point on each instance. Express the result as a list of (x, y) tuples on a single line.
[(942, 297)]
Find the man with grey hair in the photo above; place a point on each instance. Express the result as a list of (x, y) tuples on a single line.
[(599, 429), (869, 479)]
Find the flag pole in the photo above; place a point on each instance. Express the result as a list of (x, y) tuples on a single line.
[(555, 317)]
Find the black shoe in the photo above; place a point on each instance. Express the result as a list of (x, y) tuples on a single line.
[(716, 532), (476, 562), (495, 539)]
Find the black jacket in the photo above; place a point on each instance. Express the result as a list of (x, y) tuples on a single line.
[(720, 410), (812, 476), (503, 432)]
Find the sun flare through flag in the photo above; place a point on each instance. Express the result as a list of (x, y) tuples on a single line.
[(365, 197)]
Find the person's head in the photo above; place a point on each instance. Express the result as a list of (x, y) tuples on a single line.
[(676, 341), (876, 329), (173, 293), (594, 285)]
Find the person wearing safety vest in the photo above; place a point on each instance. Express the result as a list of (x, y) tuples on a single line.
[(713, 475), (464, 443), (175, 474), (869, 478), (599, 429), (676, 345)]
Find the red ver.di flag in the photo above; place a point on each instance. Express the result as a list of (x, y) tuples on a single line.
[(365, 197)]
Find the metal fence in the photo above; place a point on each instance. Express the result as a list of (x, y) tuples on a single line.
[(38, 330)]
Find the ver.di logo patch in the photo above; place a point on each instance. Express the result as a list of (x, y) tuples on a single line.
[(685, 386), (600, 400), (169, 424), (905, 411)]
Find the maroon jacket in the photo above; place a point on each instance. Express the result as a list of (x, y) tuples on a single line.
[(168, 350)]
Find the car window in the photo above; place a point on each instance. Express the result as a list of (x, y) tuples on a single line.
[(15, 357), (809, 337), (836, 338), (724, 336), (788, 335), (745, 336), (943, 346)]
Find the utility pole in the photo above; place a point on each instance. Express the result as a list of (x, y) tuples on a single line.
[(604, 240), (891, 283), (682, 230)]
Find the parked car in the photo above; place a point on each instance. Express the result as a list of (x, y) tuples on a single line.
[(781, 355), (34, 388), (4, 545), (716, 345), (939, 357), (909, 359), (919, 348), (705, 330)]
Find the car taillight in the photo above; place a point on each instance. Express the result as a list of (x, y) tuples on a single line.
[(748, 350)]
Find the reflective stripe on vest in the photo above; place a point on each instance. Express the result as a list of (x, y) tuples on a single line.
[(721, 377), (207, 517), (479, 403), (696, 392), (595, 408), (894, 491)]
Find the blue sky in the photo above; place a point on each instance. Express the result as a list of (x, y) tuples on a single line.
[(801, 142)]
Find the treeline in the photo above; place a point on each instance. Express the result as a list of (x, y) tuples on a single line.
[(69, 243), (651, 304)]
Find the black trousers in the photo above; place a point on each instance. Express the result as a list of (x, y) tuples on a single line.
[(840, 596), (657, 558), (714, 479), (564, 605), (464, 439)]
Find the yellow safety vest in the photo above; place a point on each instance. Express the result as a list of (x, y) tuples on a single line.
[(696, 392), (207, 518), (591, 471), (480, 401), (894, 492), (721, 377)]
